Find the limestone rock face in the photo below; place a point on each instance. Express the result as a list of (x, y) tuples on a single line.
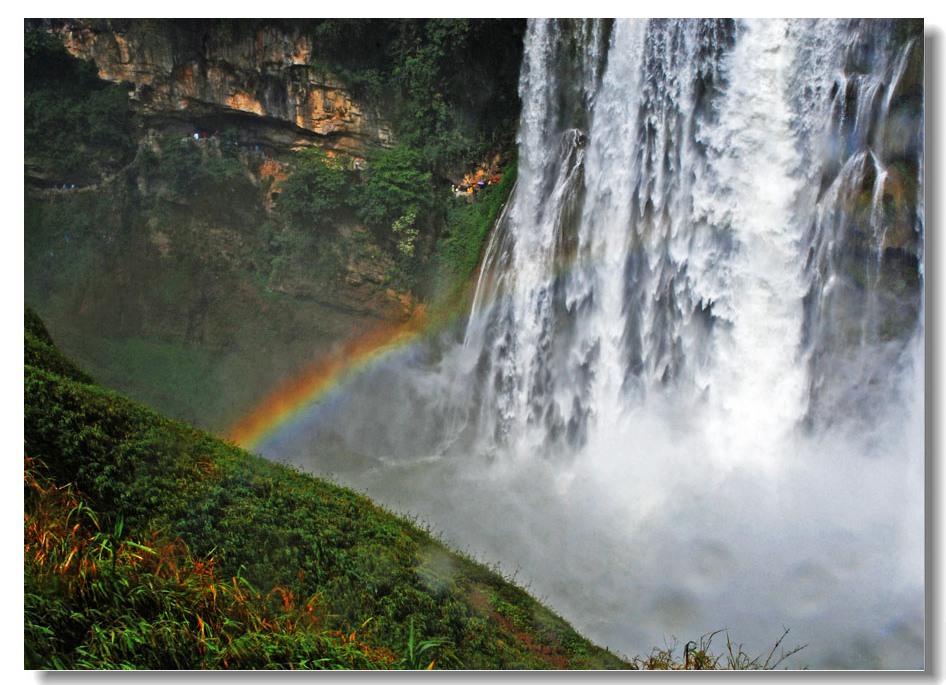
[(193, 73)]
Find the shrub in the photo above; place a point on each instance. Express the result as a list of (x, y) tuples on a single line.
[(318, 187), (697, 656), (200, 555), (73, 121), (396, 184)]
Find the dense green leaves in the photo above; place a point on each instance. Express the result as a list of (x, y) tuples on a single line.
[(279, 534), (450, 85), (72, 120), (460, 76), (318, 186), (396, 185), (465, 231)]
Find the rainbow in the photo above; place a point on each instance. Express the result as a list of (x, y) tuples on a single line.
[(313, 382)]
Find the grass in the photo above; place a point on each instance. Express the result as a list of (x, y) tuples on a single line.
[(96, 599), (699, 656), (150, 544)]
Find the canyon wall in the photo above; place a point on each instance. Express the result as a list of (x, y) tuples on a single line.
[(198, 74)]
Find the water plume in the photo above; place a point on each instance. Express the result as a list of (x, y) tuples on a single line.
[(689, 394)]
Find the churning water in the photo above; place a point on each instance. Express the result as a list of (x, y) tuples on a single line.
[(689, 393)]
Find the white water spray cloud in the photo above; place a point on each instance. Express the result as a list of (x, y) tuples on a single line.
[(699, 501)]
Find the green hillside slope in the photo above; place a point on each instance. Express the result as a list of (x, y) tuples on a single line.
[(150, 544)]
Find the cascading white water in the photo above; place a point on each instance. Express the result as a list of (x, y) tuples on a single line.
[(689, 393)]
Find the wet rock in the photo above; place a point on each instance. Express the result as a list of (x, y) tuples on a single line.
[(197, 71)]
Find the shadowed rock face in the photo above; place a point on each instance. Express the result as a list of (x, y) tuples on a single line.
[(193, 273), (196, 73)]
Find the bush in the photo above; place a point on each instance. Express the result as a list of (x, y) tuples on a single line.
[(200, 555), (396, 185), (73, 121), (318, 187)]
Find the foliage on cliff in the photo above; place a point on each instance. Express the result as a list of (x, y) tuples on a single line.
[(149, 544), (449, 84), (318, 187), (167, 275), (73, 122), (466, 230)]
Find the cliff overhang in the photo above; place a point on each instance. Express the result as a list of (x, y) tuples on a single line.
[(261, 80)]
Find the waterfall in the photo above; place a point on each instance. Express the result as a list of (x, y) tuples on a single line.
[(688, 395), (662, 247)]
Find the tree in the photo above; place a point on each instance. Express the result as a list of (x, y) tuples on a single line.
[(396, 186), (318, 187)]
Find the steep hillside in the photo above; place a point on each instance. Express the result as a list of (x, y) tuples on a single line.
[(150, 544)]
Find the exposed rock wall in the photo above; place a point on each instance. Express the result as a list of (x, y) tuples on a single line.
[(189, 73)]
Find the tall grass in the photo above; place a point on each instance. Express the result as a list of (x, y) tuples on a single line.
[(95, 599), (199, 555), (151, 545), (698, 655)]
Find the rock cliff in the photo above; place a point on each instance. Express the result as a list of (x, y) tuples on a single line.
[(202, 75), (179, 270)]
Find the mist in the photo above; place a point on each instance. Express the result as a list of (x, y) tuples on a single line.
[(657, 534), (689, 393)]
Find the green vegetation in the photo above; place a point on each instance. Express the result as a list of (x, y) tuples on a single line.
[(318, 187), (697, 656), (74, 123), (395, 186), (449, 85), (97, 599), (175, 262), (466, 229), (149, 544)]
